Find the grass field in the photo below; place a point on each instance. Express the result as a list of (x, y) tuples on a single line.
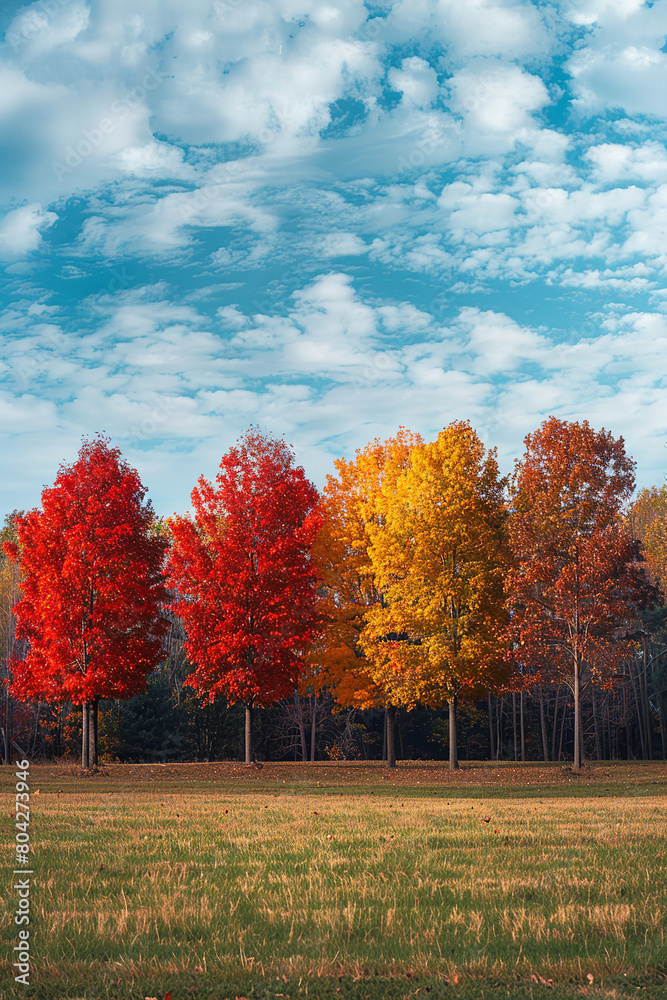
[(343, 880)]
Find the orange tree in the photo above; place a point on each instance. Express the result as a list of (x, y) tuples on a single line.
[(92, 589), (352, 503), (439, 554), (575, 587), (245, 582), (648, 522)]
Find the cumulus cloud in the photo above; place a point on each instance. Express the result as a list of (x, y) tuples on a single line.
[(621, 64), (480, 27), (410, 213), (497, 100), (21, 230)]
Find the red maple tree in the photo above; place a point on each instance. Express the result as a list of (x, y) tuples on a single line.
[(576, 582), (92, 588), (242, 571)]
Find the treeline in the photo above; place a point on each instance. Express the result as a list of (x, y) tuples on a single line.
[(421, 606)]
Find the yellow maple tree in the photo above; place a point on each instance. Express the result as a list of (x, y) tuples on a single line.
[(438, 554)]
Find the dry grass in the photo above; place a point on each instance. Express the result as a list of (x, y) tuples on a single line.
[(300, 881)]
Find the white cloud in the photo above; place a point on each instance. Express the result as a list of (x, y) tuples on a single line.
[(477, 212), (496, 101), (650, 225), (613, 161), (159, 226), (41, 27), (340, 244), (20, 414), (155, 159), (484, 223), (498, 342), (477, 27), (416, 80), (632, 79), (20, 230), (621, 64)]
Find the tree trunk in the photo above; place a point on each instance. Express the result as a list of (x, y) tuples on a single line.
[(543, 726), (638, 706), (554, 733), (562, 730), (302, 726), (313, 728), (523, 731), (85, 748), (577, 716), (7, 731), (384, 734), (491, 740), (248, 734), (516, 751), (391, 736), (92, 732), (453, 746)]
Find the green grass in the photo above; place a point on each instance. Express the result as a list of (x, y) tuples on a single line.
[(370, 885)]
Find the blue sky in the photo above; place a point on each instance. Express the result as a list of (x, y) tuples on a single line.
[(329, 219)]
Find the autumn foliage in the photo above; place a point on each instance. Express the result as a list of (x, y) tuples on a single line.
[(241, 565), (647, 522), (91, 581), (575, 583), (439, 555), (352, 504), (420, 577)]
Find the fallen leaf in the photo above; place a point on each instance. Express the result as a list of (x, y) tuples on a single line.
[(590, 977)]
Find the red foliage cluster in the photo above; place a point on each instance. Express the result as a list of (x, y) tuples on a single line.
[(92, 583), (242, 569)]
